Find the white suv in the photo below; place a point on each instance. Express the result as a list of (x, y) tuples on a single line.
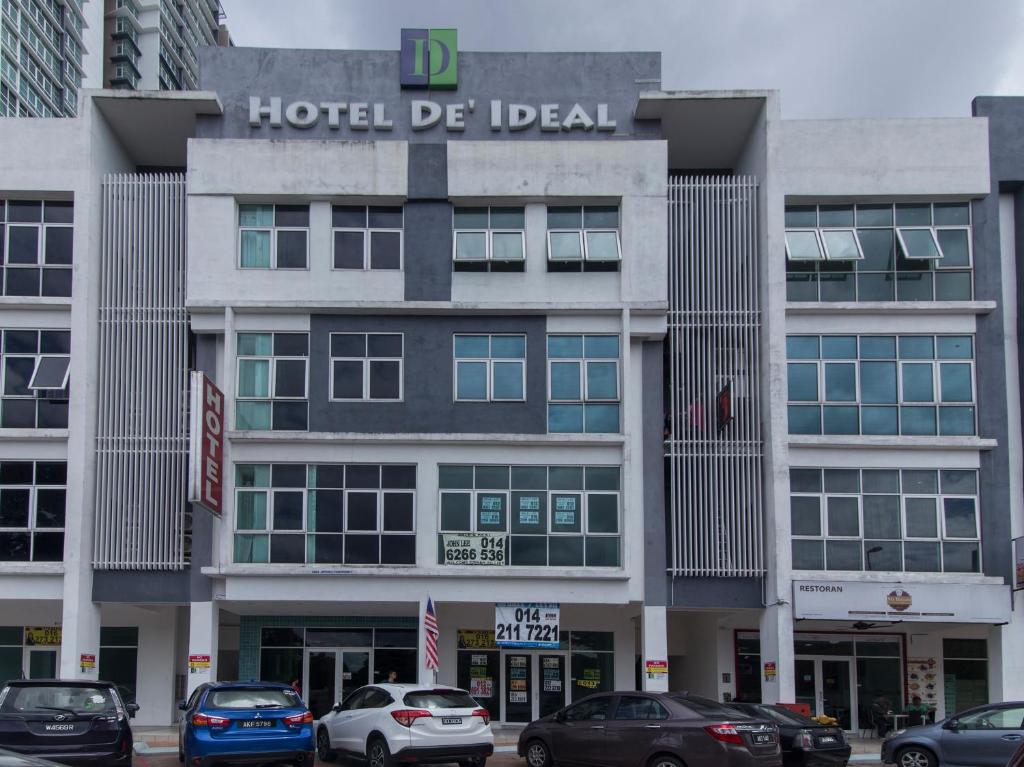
[(385, 723)]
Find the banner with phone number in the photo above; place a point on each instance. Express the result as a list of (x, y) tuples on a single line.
[(474, 549), (529, 624)]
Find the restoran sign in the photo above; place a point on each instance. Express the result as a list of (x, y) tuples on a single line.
[(897, 602), (424, 114)]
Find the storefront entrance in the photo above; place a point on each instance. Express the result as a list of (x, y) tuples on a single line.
[(42, 662), (826, 686), (535, 683), (331, 674)]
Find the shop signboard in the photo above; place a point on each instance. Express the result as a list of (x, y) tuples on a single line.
[(471, 639), (474, 549), (656, 669), (87, 662), (206, 444), (530, 624), (198, 663), (1018, 564), (42, 636), (910, 602)]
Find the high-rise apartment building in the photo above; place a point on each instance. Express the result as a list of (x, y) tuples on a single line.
[(153, 44), (41, 51)]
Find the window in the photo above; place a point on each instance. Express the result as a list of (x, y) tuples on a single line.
[(558, 516), (583, 384), (910, 520), (119, 652), (490, 368), (33, 496), (583, 238), (353, 514), (273, 381), (632, 707), (879, 252), (489, 239), (366, 366), (367, 237), (36, 247), (908, 385), (273, 236), (35, 379), (965, 673)]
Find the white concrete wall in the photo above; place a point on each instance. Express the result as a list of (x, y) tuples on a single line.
[(155, 670), (864, 159), (631, 173)]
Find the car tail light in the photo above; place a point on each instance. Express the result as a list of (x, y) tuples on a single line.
[(803, 739), (306, 717), (726, 733), (484, 714), (406, 716), (205, 720)]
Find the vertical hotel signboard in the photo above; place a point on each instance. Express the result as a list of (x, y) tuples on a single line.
[(206, 444), (1018, 564)]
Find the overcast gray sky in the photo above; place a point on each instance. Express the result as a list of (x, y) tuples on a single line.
[(830, 58)]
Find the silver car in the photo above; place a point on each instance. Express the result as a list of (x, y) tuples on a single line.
[(986, 736)]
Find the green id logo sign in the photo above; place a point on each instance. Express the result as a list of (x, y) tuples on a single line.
[(429, 58)]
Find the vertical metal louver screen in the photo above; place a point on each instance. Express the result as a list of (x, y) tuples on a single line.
[(714, 335), (142, 421)]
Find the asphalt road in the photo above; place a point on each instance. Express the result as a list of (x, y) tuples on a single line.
[(498, 760)]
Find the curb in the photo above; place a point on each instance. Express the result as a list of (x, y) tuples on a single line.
[(145, 750), (866, 758)]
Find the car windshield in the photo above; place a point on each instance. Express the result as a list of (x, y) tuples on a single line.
[(786, 716), (247, 697), (708, 707), (74, 699), (431, 699)]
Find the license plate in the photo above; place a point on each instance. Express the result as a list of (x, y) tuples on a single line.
[(59, 727), (255, 724), (764, 738), (827, 739), (451, 720)]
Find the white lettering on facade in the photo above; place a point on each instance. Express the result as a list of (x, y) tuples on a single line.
[(380, 120), (257, 111), (425, 114), (334, 110), (521, 116), (358, 116), (603, 123), (455, 117), (302, 114), (549, 117), (577, 118)]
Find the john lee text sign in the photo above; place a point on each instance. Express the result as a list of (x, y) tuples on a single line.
[(530, 624), (473, 549)]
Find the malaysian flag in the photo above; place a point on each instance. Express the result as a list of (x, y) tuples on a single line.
[(430, 629)]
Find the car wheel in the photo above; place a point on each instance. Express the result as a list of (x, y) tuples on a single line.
[(378, 754), (538, 754), (915, 756), (474, 762), (664, 760), (323, 746)]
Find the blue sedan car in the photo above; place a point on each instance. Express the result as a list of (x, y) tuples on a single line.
[(229, 723)]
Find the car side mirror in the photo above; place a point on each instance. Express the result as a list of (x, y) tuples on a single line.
[(951, 724), (182, 704), (132, 709), (336, 708), (560, 716)]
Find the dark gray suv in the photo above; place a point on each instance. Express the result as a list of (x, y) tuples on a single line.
[(986, 736), (648, 729)]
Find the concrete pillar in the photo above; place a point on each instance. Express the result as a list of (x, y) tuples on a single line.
[(203, 630), (777, 649), (80, 630), (1006, 661), (654, 631)]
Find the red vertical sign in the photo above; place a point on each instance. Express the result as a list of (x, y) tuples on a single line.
[(206, 444)]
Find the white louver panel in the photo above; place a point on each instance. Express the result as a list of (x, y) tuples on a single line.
[(715, 495), (141, 516)]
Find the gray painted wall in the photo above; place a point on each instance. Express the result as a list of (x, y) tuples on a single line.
[(655, 522), (428, 378), (373, 76), (716, 593), (1006, 148)]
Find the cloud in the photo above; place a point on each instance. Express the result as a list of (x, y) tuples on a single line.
[(829, 58)]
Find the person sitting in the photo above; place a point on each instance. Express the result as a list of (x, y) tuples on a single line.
[(918, 712), (880, 710)]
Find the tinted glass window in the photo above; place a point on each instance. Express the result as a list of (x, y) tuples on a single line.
[(994, 719), (252, 698), (593, 708), (44, 698), (785, 716), (706, 706), (431, 699), (631, 707)]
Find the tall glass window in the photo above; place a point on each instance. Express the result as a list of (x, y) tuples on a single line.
[(273, 236), (272, 382), (583, 384), (879, 252), (36, 247), (353, 514), (367, 237), (909, 520), (36, 372), (909, 385)]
